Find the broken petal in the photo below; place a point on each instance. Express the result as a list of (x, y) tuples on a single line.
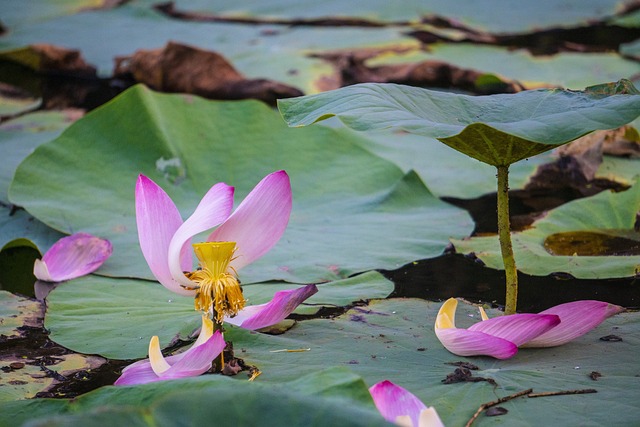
[(398, 405), (71, 257), (576, 319), (283, 303), (193, 362)]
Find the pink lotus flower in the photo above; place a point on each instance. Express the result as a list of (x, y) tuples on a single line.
[(399, 406), (71, 257), (501, 336), (239, 239), (193, 362)]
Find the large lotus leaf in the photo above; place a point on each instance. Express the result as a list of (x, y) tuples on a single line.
[(521, 16), (274, 52), (570, 70), (20, 136), (116, 318), (496, 129), (448, 173), (607, 213), (336, 393), (344, 197), (125, 313), (394, 339)]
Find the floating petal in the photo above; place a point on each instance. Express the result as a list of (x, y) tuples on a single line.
[(263, 315), (464, 342), (71, 257), (517, 328), (260, 220), (576, 319)]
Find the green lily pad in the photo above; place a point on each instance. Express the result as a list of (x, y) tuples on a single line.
[(335, 395), (187, 144), (599, 213), (116, 318), (394, 339), (125, 314), (20, 136), (497, 129)]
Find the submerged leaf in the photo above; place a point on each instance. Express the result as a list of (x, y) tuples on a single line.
[(594, 243)]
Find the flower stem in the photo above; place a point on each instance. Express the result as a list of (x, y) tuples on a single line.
[(218, 361), (504, 235)]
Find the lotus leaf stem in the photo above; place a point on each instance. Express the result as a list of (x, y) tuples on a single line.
[(504, 235)]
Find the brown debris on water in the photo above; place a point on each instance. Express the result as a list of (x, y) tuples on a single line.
[(51, 60), (179, 68), (464, 375), (353, 69)]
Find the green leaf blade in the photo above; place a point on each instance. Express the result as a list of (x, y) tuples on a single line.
[(521, 124)]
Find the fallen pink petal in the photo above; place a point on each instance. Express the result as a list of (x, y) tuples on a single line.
[(72, 257), (399, 406), (500, 337), (576, 319), (193, 362)]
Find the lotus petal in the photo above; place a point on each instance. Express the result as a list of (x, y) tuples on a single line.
[(576, 319), (400, 406), (157, 219), (193, 362), (517, 328), (283, 303), (213, 209), (260, 220), (71, 257), (464, 342)]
